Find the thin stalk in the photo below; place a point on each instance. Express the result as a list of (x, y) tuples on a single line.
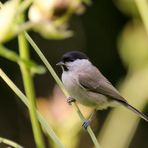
[(1, 5), (24, 5), (24, 99), (89, 130), (29, 89), (51, 70), (26, 26), (47, 64), (10, 143), (142, 6)]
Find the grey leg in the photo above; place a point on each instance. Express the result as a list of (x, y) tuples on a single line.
[(87, 122)]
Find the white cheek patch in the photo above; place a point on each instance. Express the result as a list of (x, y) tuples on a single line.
[(78, 64)]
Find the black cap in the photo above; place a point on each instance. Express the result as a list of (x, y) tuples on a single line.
[(72, 56)]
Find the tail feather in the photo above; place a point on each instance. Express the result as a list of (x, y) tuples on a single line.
[(143, 116)]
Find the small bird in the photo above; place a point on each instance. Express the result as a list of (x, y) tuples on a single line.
[(86, 84)]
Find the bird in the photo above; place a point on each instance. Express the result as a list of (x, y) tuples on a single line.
[(87, 85)]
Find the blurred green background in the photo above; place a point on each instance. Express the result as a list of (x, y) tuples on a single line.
[(112, 35)]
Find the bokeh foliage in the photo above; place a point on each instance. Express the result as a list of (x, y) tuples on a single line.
[(114, 41)]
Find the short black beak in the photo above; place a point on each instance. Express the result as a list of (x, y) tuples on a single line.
[(60, 63)]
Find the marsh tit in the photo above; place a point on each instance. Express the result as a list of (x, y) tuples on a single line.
[(86, 84)]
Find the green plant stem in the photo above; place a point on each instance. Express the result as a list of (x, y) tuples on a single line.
[(10, 143), (1, 5), (24, 5), (50, 69), (25, 26), (142, 6), (89, 130), (24, 99), (45, 61), (29, 89)]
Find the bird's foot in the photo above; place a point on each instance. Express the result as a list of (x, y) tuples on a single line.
[(70, 100), (86, 123)]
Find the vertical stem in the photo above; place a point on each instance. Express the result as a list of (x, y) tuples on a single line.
[(51, 70), (142, 6), (29, 89), (24, 99)]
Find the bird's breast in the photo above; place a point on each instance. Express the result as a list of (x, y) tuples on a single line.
[(82, 95), (70, 82)]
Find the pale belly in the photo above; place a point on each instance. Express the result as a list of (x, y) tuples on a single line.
[(84, 96)]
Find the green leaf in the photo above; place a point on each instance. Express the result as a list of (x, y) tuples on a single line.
[(57, 35), (49, 31), (12, 56), (35, 69), (8, 54)]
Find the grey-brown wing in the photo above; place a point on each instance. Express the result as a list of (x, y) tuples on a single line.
[(96, 82)]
